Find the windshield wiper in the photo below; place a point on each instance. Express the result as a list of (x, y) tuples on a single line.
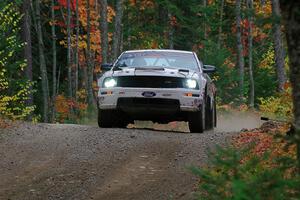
[(184, 70)]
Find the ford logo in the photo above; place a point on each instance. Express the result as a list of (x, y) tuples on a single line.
[(149, 94)]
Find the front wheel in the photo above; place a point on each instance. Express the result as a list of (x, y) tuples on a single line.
[(210, 115), (197, 120), (111, 119)]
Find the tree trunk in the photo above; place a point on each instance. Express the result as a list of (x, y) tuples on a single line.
[(69, 62), (250, 43), (26, 35), (240, 57), (54, 60), (90, 98), (204, 24), (278, 45), (43, 67), (104, 30), (118, 28), (77, 50), (171, 31), (221, 24), (291, 17)]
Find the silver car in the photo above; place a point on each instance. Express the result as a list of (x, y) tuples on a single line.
[(157, 85)]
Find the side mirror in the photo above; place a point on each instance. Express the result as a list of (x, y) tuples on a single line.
[(106, 66), (209, 69)]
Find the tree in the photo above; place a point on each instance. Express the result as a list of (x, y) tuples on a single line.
[(42, 61), (240, 57), (250, 54), (221, 24), (278, 45), (54, 59), (90, 69), (26, 34), (118, 29), (291, 17), (69, 49), (104, 30), (77, 49), (15, 89)]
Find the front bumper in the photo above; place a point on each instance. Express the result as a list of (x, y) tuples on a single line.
[(189, 100)]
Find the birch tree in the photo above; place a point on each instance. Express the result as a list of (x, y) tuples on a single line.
[(104, 30), (118, 28), (250, 48), (54, 59), (77, 49), (69, 62), (90, 70), (240, 57)]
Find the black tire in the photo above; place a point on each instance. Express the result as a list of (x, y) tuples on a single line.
[(105, 118), (210, 115), (111, 119), (215, 114), (197, 120)]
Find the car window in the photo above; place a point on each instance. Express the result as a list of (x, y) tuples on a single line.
[(157, 59)]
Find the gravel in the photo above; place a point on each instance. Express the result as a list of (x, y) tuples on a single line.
[(55, 161)]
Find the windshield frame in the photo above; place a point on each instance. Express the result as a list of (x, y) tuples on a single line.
[(193, 54)]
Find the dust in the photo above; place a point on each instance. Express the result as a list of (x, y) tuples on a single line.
[(227, 122), (236, 121)]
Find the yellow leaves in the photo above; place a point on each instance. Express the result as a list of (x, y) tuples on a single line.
[(280, 106), (263, 9), (110, 14), (13, 93), (268, 59)]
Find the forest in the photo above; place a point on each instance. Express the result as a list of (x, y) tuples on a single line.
[(51, 53), (57, 48)]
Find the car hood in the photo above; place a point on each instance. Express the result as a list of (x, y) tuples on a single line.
[(139, 71)]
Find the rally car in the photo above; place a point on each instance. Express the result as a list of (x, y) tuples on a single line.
[(157, 85)]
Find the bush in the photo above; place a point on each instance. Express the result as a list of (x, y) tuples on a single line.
[(230, 176), (279, 106)]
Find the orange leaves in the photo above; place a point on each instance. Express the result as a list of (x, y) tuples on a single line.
[(265, 141), (173, 21), (65, 106), (262, 141)]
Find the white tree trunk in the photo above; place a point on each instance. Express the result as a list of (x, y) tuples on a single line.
[(240, 57)]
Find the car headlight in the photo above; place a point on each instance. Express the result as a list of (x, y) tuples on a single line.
[(191, 83), (110, 82)]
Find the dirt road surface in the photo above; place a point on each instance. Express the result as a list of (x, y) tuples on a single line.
[(55, 161)]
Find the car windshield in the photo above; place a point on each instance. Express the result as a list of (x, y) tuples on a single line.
[(159, 59)]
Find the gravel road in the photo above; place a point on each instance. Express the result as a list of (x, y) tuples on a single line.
[(55, 161)]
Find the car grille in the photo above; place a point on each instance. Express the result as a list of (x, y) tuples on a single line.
[(150, 82), (148, 103)]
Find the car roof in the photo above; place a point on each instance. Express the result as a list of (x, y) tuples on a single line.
[(158, 50)]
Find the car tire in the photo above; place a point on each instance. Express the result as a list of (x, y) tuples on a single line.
[(197, 120), (111, 119), (105, 118), (210, 115), (215, 114)]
